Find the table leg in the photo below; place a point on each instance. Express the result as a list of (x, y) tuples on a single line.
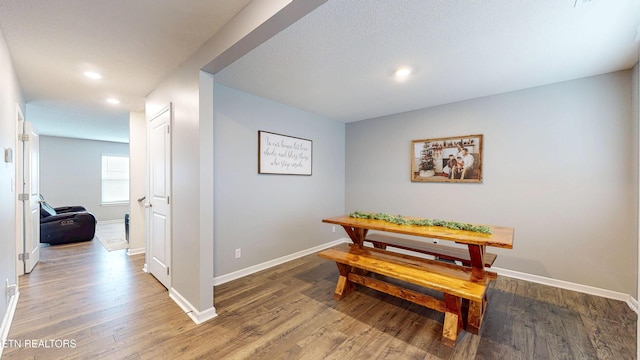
[(476, 254), (357, 235), (475, 313)]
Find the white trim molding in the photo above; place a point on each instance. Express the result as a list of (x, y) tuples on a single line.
[(104, 222), (265, 265), (633, 304), (198, 317), (132, 252), (586, 289), (7, 320)]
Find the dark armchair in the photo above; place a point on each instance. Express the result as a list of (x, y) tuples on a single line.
[(65, 224)]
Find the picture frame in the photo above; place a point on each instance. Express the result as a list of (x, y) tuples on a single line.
[(443, 159), (283, 154)]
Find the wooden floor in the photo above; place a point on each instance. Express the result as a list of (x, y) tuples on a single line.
[(105, 307)]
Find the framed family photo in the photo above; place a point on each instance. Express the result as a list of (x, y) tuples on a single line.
[(449, 159)]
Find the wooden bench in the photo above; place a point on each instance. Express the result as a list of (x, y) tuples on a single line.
[(455, 282), (381, 241)]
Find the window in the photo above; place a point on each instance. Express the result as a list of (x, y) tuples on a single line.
[(115, 179)]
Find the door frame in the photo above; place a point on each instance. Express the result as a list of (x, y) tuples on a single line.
[(24, 158), (19, 161)]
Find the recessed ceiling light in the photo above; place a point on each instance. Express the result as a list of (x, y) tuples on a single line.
[(113, 101), (402, 73), (92, 75)]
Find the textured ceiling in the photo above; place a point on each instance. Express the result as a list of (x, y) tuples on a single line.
[(134, 44), (338, 60)]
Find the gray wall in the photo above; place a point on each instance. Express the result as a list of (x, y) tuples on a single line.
[(190, 92), (10, 99), (635, 101), (270, 216), (70, 174), (559, 165)]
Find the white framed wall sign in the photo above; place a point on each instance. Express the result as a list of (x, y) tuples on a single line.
[(283, 154)]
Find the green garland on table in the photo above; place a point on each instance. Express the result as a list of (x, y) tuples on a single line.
[(399, 220)]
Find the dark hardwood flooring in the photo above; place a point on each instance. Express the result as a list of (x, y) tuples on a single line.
[(107, 308)]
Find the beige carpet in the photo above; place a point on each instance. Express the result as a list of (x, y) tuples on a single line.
[(111, 235)]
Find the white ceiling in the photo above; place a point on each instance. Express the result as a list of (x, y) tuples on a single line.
[(134, 44), (338, 60)]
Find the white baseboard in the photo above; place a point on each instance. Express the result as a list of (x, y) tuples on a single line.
[(110, 222), (633, 304), (586, 289), (198, 317), (132, 252), (7, 320), (219, 280)]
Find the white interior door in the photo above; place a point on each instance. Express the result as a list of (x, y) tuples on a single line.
[(29, 182), (159, 203)]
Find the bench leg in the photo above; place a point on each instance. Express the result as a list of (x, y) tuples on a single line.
[(379, 245), (452, 320), (476, 314), (465, 312), (344, 286)]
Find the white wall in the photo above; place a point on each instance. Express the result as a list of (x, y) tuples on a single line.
[(559, 166), (271, 216), (71, 174), (10, 99), (137, 181)]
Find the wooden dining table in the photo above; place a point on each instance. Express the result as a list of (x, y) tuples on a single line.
[(476, 242)]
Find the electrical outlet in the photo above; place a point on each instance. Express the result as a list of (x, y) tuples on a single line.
[(10, 289), (238, 253), (333, 228)]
